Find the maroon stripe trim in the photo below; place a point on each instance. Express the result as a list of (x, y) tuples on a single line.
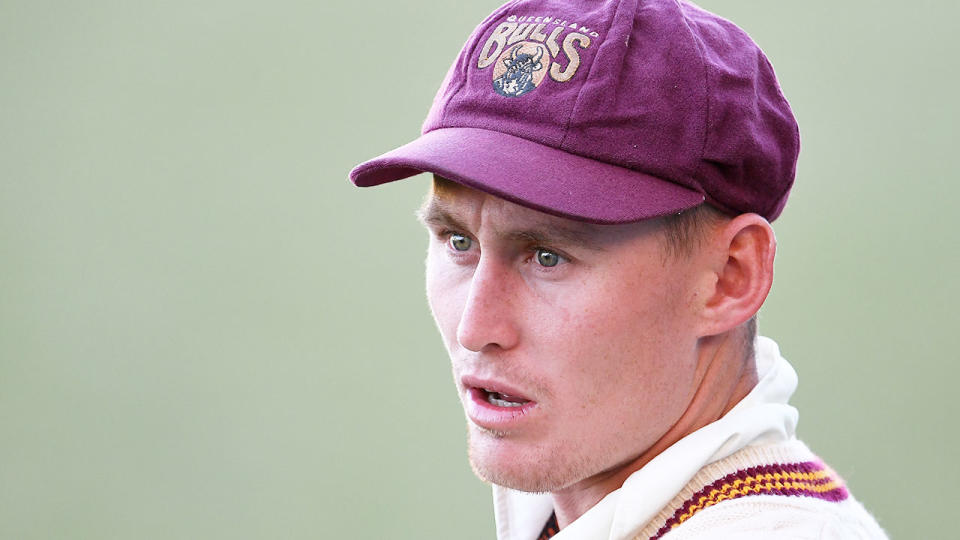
[(755, 479), (550, 529)]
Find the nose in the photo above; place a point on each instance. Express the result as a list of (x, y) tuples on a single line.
[(488, 319)]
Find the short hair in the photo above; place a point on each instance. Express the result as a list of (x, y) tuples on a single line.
[(684, 231)]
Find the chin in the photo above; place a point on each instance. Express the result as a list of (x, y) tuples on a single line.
[(497, 460)]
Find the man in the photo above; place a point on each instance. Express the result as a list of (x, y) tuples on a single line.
[(605, 175)]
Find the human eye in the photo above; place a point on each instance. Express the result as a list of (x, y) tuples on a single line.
[(547, 258), (459, 246), (459, 242)]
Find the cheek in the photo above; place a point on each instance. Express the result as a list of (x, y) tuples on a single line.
[(443, 295), (628, 337), (627, 381)]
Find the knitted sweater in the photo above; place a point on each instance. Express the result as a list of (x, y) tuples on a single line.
[(743, 476)]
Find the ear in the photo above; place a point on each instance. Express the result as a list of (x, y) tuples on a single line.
[(741, 258)]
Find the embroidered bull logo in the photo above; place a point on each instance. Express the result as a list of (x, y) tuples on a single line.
[(520, 70)]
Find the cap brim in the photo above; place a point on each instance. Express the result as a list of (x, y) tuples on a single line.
[(531, 174)]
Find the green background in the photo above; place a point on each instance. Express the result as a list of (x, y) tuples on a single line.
[(206, 332)]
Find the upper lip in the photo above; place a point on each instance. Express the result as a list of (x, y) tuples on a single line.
[(493, 385)]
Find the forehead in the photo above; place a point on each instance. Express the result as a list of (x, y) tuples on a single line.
[(449, 203)]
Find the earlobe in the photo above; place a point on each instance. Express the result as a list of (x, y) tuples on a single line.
[(743, 253)]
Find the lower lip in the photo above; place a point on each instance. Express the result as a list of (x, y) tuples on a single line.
[(487, 415)]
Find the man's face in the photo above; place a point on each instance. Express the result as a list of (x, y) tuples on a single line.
[(570, 342)]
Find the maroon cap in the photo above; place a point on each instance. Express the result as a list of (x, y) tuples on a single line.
[(607, 112)]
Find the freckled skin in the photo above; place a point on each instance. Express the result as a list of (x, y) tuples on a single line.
[(602, 342)]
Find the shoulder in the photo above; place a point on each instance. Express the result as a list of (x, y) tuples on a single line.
[(769, 491), (773, 516)]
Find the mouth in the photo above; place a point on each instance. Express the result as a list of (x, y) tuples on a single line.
[(494, 406), (499, 399)]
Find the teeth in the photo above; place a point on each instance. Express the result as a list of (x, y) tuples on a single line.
[(494, 399)]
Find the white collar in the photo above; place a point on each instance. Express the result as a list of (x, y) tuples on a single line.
[(762, 417)]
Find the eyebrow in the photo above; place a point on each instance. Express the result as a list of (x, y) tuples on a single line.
[(436, 213)]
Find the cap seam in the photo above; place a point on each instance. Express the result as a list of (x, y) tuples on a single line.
[(706, 90), (593, 65), (464, 72), (578, 154), (796, 131)]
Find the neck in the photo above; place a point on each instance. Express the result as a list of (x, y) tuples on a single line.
[(724, 376)]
